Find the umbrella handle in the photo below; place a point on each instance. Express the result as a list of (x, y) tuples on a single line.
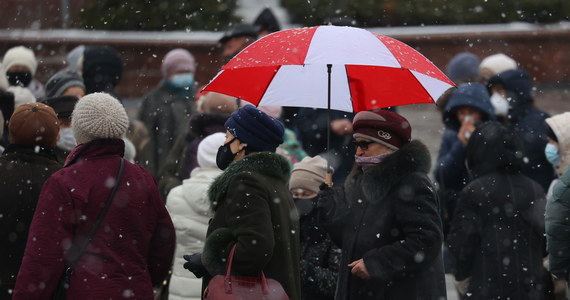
[(328, 178)]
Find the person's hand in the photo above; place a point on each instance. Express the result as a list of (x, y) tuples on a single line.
[(194, 264), (341, 126), (465, 131), (358, 269)]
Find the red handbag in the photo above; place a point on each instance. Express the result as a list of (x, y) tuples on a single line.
[(229, 287)]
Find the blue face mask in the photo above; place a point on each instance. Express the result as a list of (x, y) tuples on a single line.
[(183, 80), (551, 152)]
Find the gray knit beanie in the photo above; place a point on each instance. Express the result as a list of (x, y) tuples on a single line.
[(308, 174), (99, 116), (61, 81)]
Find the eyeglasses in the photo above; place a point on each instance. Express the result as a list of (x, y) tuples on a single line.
[(362, 144)]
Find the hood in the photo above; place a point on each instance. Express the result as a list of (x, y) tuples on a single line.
[(516, 83), (195, 189), (559, 125), (473, 95), (203, 125), (494, 147), (265, 163)]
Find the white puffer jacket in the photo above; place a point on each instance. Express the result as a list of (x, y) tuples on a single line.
[(189, 209)]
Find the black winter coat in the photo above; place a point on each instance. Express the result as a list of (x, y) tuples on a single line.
[(497, 233), (389, 216), (320, 257), (22, 175)]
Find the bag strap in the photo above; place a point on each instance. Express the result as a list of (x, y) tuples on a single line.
[(69, 270), (228, 278)]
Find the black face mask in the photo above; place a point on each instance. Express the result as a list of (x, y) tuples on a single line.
[(225, 156), (305, 206), (22, 79)]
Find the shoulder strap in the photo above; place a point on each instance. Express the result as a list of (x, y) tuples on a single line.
[(100, 218)]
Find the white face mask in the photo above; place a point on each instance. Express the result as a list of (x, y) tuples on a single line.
[(66, 139), (500, 104)]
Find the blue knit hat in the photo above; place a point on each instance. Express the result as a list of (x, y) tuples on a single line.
[(256, 129), (463, 66)]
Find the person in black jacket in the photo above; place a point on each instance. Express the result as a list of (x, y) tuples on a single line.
[(24, 167), (320, 258), (468, 105), (497, 233), (386, 216)]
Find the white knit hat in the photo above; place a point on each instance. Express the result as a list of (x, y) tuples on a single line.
[(498, 63), (21, 95), (208, 149), (99, 116), (20, 55)]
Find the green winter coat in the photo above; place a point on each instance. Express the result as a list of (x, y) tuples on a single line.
[(253, 208), (557, 224)]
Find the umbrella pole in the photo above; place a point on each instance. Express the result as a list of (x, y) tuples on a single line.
[(328, 176)]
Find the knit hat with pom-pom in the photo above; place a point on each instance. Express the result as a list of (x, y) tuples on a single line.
[(99, 116)]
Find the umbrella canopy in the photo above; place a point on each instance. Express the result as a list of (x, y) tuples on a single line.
[(369, 71)]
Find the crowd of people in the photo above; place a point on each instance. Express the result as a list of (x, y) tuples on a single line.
[(107, 207)]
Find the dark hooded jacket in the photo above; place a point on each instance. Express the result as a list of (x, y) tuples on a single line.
[(254, 210), (23, 171), (183, 157), (389, 216), (528, 122), (497, 232), (450, 172)]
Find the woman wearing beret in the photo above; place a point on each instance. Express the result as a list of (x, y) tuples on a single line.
[(253, 208), (386, 216)]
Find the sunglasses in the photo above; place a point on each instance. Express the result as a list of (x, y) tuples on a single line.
[(362, 144)]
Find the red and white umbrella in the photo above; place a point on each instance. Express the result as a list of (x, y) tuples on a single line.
[(368, 71)]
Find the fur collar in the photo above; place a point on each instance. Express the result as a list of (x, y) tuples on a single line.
[(265, 163), (377, 182)]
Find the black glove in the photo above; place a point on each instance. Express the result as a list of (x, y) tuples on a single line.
[(325, 200), (194, 264)]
